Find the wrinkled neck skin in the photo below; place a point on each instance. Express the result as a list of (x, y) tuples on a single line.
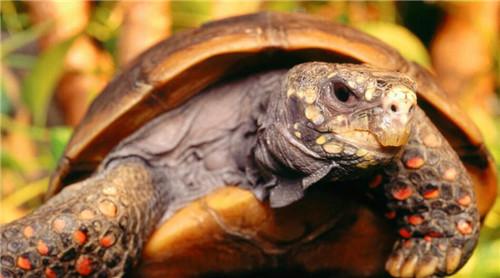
[(287, 166)]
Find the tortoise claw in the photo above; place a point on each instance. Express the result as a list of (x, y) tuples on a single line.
[(393, 264), (453, 259), (408, 269), (427, 267), (416, 257)]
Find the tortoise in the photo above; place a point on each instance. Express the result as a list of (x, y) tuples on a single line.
[(266, 144)]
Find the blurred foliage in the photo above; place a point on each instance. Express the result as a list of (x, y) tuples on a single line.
[(29, 76)]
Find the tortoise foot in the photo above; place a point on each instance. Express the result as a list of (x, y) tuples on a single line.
[(425, 257)]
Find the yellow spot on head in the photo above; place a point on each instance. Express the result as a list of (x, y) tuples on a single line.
[(310, 96), (297, 134), (321, 140), (332, 147), (333, 74), (296, 125), (401, 91), (369, 92), (360, 79), (314, 115), (109, 190)]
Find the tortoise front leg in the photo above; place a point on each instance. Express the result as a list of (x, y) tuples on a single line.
[(96, 227), (431, 196)]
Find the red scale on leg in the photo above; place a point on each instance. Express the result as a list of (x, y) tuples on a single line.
[(404, 233), (84, 266), (434, 234), (431, 193), (376, 181), (415, 219), (108, 240), (24, 263), (402, 192), (414, 162), (390, 214), (80, 237), (49, 273)]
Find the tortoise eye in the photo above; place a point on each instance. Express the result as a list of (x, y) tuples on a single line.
[(343, 93)]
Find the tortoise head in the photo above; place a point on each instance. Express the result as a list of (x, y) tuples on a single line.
[(355, 114)]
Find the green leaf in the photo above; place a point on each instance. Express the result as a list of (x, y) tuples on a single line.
[(21, 39), (41, 81), (400, 38), (59, 137), (7, 161), (5, 103)]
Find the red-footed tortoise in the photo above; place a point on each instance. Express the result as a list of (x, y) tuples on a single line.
[(270, 144)]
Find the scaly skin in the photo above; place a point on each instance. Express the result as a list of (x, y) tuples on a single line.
[(431, 197), (93, 228)]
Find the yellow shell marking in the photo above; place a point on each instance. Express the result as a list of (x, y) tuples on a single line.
[(314, 115), (332, 147)]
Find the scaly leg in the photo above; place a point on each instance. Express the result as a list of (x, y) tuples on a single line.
[(431, 196), (95, 227)]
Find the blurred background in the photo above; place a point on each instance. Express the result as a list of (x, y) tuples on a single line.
[(56, 56)]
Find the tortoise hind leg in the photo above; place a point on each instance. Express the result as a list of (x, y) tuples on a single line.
[(432, 198), (95, 227)]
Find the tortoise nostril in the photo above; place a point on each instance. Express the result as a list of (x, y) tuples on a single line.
[(411, 108), (394, 108)]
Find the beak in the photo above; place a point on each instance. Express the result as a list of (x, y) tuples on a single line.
[(394, 127)]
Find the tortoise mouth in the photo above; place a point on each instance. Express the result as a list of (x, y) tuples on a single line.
[(363, 139)]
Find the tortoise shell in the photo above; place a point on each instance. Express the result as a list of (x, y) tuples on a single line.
[(175, 70)]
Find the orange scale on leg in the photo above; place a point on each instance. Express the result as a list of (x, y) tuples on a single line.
[(404, 233), (42, 248), (28, 231), (376, 181), (24, 263), (464, 200), (80, 237), (464, 227), (84, 266), (415, 219), (431, 193), (402, 193), (49, 273), (414, 162)]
